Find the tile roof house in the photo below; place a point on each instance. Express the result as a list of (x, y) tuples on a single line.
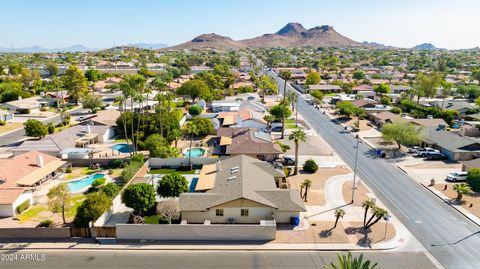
[(243, 118), (248, 141), (240, 189)]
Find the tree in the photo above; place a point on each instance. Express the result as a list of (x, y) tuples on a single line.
[(306, 184), (93, 74), (297, 136), (172, 185), (366, 205), (339, 213), (269, 118), (348, 109), (461, 189), (159, 147), (52, 68), (402, 133), (204, 126), (35, 128), (427, 84), (141, 197), (318, 95), (95, 204), (382, 89), (192, 130), (285, 75), (195, 110), (267, 85), (348, 262), (169, 209), (195, 89), (92, 102), (279, 110), (358, 74), (473, 179), (59, 199), (75, 83), (476, 74), (313, 78), (377, 214)]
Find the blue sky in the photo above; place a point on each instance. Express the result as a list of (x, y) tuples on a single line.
[(100, 23)]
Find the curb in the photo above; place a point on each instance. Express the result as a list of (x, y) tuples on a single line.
[(458, 210)]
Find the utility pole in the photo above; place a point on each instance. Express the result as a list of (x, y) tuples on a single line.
[(355, 169)]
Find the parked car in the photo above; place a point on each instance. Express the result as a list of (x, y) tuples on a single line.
[(436, 156), (425, 151), (287, 161), (278, 165), (277, 129), (414, 149), (457, 176)]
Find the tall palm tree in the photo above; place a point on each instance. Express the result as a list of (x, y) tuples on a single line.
[(349, 262), (285, 75), (174, 135), (367, 204), (297, 136), (269, 119), (307, 183), (192, 130), (122, 105), (379, 213), (461, 189), (339, 213)]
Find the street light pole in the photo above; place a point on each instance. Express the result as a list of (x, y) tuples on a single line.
[(355, 169)]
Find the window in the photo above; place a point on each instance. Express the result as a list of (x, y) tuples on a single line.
[(219, 212), (244, 212)]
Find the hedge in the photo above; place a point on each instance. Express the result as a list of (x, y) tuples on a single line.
[(23, 206)]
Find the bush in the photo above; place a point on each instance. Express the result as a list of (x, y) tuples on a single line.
[(204, 125), (195, 110), (92, 208), (129, 171), (283, 147), (396, 110), (310, 166), (141, 197), (35, 128), (3, 123), (172, 185), (98, 182), (473, 179), (139, 158), (51, 128), (114, 163), (45, 223), (68, 170), (22, 207), (111, 189)]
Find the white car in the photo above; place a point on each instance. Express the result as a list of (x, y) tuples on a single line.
[(457, 176), (424, 152)]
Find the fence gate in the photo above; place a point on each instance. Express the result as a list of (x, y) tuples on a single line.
[(106, 232), (80, 232)]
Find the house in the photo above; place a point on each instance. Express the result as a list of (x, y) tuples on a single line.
[(247, 141), (243, 118), (455, 147), (384, 117), (323, 88), (362, 89), (79, 136), (32, 104), (225, 105), (254, 106), (149, 103), (461, 106), (240, 189), (467, 165), (398, 89), (11, 198), (6, 115), (61, 95), (429, 122), (107, 117)]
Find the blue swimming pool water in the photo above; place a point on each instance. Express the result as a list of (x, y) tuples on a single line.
[(193, 184), (196, 152), (123, 148), (80, 184)]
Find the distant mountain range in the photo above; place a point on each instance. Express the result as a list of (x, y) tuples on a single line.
[(291, 35), (426, 46), (77, 48)]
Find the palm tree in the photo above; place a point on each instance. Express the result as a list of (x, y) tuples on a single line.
[(349, 262), (461, 189), (292, 99), (367, 204), (297, 136), (285, 75), (269, 119), (307, 183), (174, 134), (339, 213), (122, 105), (379, 213), (192, 130)]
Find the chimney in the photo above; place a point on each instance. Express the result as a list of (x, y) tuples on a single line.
[(88, 129), (39, 160)]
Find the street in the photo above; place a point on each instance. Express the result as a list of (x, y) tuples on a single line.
[(198, 259), (451, 238)]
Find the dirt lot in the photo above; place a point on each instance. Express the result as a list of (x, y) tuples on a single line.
[(322, 232), (315, 193), (360, 193), (467, 200), (363, 124), (10, 127)]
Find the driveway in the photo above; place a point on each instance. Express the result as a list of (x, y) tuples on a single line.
[(315, 146)]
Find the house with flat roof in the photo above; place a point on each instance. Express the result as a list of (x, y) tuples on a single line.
[(246, 141), (225, 105), (240, 189), (323, 88), (32, 104)]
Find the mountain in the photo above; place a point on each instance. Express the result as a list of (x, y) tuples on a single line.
[(291, 35), (38, 49), (213, 41), (426, 46), (152, 46)]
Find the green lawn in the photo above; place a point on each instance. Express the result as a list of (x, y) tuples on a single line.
[(289, 121), (30, 214), (164, 171), (121, 139), (80, 172), (290, 126), (76, 202)]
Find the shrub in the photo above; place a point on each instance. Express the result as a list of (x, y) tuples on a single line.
[(283, 147), (22, 207), (310, 166), (92, 208), (45, 223), (111, 189), (98, 182), (141, 197), (396, 110), (129, 171), (3, 123), (114, 163), (51, 128), (68, 170), (172, 185), (35, 128), (195, 110), (473, 179), (139, 158)]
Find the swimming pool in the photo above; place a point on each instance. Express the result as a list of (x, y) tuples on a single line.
[(196, 152), (80, 184), (123, 148)]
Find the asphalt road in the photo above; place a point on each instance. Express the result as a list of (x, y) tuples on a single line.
[(451, 238), (19, 134), (198, 259)]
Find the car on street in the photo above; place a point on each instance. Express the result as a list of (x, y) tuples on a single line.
[(436, 156), (425, 151), (457, 176), (414, 149)]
